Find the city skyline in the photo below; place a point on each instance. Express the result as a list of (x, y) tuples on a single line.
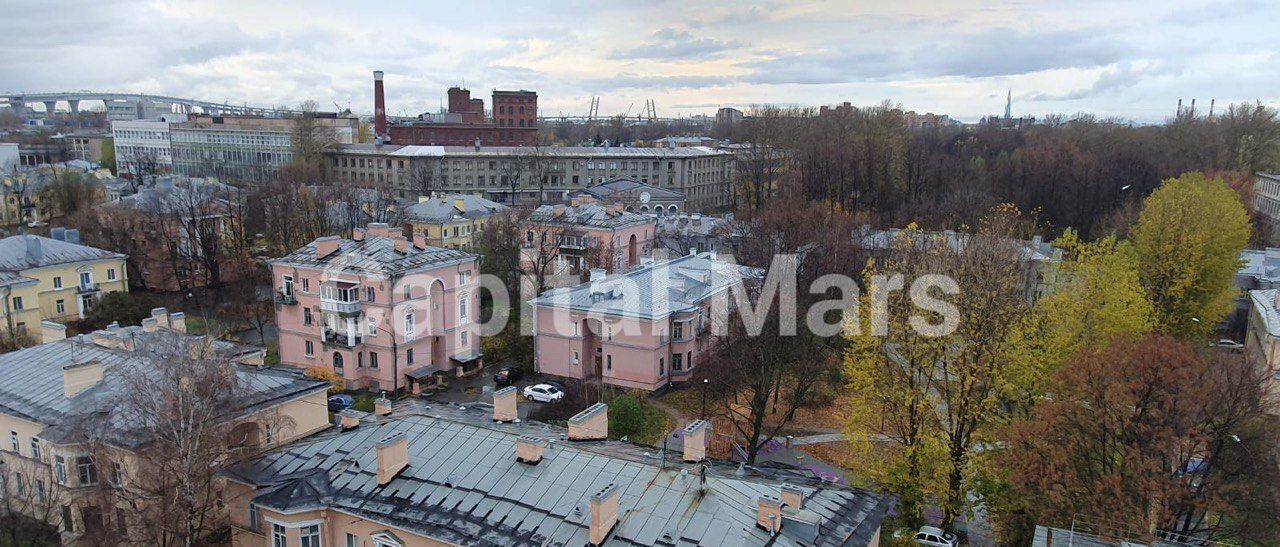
[(1127, 60)]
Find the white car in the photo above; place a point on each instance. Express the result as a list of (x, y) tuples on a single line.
[(936, 537), (543, 393), (1232, 345)]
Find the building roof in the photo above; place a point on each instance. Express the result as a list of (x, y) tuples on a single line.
[(1035, 250), (545, 151), (23, 252), (624, 186), (586, 215), (11, 279), (185, 197), (31, 384), (1259, 268), (653, 291), (463, 485), (374, 255), (1264, 300), (444, 209), (686, 225)]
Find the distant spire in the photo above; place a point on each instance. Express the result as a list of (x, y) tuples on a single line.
[(1008, 105)]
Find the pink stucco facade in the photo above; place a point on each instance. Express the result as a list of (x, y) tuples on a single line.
[(379, 329)]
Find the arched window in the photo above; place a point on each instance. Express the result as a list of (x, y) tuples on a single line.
[(337, 362)]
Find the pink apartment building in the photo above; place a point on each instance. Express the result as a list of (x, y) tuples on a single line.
[(643, 329), (586, 234), (380, 310)]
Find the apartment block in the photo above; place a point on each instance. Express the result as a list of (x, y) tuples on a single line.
[(380, 310), (542, 174), (452, 221), (643, 329), (67, 278), (585, 234)]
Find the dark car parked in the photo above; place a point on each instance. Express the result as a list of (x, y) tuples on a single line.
[(506, 375), (340, 402)]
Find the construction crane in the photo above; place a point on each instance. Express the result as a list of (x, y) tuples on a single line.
[(594, 110)]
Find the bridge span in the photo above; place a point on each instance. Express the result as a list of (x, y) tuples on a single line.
[(131, 106)]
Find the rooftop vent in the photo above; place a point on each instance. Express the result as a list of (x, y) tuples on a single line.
[(393, 456), (504, 405), (604, 513), (326, 246), (77, 377), (695, 441), (769, 513), (348, 419), (592, 424), (529, 449)]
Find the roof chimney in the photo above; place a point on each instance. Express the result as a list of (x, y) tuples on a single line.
[(393, 456), (35, 252), (382, 405), (348, 419), (77, 377), (420, 241), (604, 514), (72, 236), (59, 234), (178, 322), (769, 513), (357, 234), (161, 315), (529, 449), (52, 332), (378, 229), (695, 441), (460, 204), (592, 424), (402, 244), (792, 496), (504, 405), (379, 108), (557, 210), (326, 246), (150, 324)]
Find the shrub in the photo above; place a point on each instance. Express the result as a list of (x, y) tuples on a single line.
[(321, 372), (124, 307)]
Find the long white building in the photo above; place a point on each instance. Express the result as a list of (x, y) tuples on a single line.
[(703, 174)]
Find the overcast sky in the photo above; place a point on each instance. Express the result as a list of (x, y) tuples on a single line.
[(1129, 59)]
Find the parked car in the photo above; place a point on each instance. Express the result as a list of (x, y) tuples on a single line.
[(507, 375), (544, 393), (555, 383), (1234, 346), (340, 402), (936, 537)]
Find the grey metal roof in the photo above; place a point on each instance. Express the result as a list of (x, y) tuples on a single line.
[(445, 208), (181, 198), (376, 255), (591, 215), (1035, 250), (651, 292), (31, 384), (607, 190), (463, 485), (10, 279), (16, 252)]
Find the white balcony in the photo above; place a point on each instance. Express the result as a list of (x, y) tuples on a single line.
[(340, 307)]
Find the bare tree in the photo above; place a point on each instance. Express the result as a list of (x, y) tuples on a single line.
[(513, 170), (422, 177)]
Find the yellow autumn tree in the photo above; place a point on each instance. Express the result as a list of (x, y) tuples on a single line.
[(321, 372), (1097, 296), (1188, 240)]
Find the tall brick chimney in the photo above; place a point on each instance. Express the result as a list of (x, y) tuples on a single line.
[(379, 109)]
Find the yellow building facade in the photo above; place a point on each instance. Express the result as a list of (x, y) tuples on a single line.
[(59, 277), (452, 221)]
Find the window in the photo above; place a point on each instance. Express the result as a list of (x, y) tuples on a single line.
[(20, 483), (306, 285), (353, 540), (677, 332), (111, 274), (575, 357), (17, 303), (688, 359), (306, 316), (310, 536), (373, 359), (86, 279), (287, 288), (408, 356), (57, 282), (60, 469), (35, 448), (676, 362), (410, 320), (61, 306), (463, 340), (255, 518), (662, 366), (87, 471), (277, 535), (373, 327), (608, 362), (310, 348), (369, 294), (13, 441), (463, 310), (86, 301)]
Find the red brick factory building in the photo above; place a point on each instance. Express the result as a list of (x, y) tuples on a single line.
[(514, 120)]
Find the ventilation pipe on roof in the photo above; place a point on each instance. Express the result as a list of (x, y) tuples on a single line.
[(420, 241), (604, 513), (592, 424), (769, 513), (357, 234), (178, 322), (393, 456), (529, 449), (382, 405), (504, 405), (792, 496), (695, 441), (402, 245), (326, 246), (77, 377)]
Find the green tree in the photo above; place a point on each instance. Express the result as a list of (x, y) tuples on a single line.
[(626, 416), (124, 307), (108, 155), (1188, 238)]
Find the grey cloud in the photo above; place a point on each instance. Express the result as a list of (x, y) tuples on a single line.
[(998, 52), (1111, 80), (636, 81), (670, 43)]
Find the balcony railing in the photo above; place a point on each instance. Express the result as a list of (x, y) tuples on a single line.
[(286, 299), (341, 339), (340, 307), (87, 287)]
